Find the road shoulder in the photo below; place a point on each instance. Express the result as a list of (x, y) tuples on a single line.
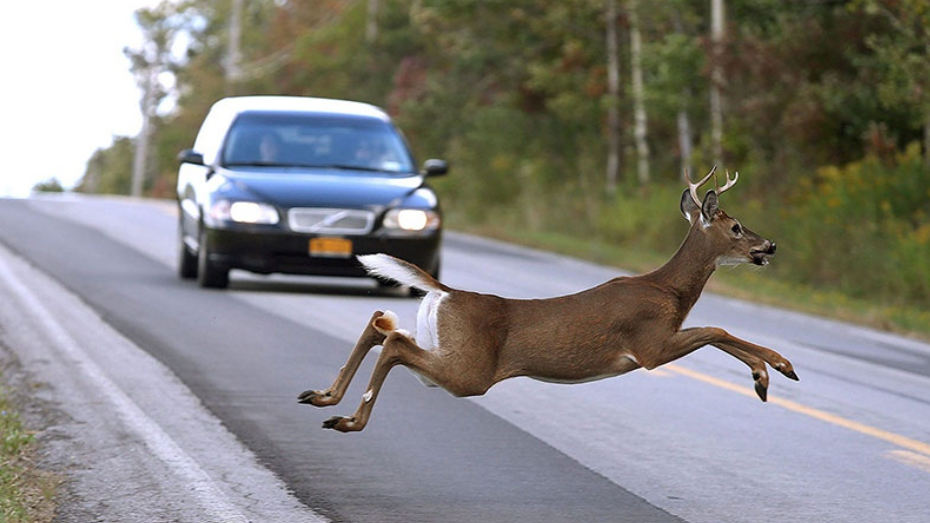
[(130, 440)]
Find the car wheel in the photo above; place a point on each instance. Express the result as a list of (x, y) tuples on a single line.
[(187, 261), (208, 274)]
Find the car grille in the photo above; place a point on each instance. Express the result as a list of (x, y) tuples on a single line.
[(330, 221)]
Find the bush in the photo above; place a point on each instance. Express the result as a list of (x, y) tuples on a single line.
[(863, 228)]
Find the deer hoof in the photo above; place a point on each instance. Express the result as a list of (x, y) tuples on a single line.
[(317, 398), (342, 424), (787, 370), (762, 390)]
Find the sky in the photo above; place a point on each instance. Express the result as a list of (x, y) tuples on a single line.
[(65, 87)]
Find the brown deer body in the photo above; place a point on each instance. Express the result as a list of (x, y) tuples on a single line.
[(466, 342)]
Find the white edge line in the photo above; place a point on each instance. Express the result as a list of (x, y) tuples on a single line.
[(155, 438)]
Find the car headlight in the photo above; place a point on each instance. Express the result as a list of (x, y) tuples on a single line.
[(244, 212), (411, 220)]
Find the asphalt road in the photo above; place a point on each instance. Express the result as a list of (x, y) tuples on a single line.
[(688, 442)]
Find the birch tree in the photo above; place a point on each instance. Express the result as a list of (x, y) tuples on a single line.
[(613, 98), (148, 63), (640, 131), (716, 79)]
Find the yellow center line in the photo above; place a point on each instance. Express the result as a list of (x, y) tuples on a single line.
[(833, 419), (909, 458)]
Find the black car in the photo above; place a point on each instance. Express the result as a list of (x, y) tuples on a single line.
[(295, 185)]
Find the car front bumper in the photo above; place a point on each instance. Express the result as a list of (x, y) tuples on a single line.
[(266, 251)]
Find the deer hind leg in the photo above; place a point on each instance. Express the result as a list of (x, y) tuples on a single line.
[(369, 339), (433, 365)]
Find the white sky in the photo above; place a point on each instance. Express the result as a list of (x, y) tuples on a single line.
[(65, 87)]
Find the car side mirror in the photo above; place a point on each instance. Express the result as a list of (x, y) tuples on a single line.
[(434, 167), (190, 156)]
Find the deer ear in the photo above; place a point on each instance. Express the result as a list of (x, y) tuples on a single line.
[(710, 206), (688, 206)]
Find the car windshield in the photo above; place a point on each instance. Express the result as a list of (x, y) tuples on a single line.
[(312, 140)]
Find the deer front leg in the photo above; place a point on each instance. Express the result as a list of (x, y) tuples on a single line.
[(773, 358), (754, 356), (760, 375), (369, 339), (737, 346)]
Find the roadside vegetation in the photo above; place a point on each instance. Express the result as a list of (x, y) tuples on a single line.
[(852, 241), (569, 123), (26, 493)]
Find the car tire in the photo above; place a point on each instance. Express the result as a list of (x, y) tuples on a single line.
[(187, 261), (208, 274)]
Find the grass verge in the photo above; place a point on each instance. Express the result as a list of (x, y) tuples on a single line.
[(26, 493)]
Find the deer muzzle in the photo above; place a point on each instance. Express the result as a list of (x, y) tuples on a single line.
[(760, 255)]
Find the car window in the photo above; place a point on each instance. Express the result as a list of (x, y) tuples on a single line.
[(307, 140)]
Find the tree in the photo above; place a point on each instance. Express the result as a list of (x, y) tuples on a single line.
[(159, 27), (50, 185), (108, 169), (718, 33), (903, 56), (640, 130), (614, 129)]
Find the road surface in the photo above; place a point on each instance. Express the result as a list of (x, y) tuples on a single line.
[(199, 389)]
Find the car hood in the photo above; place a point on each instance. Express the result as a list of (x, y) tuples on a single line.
[(325, 189)]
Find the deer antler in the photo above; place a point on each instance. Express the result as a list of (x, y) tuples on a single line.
[(730, 183), (694, 186)]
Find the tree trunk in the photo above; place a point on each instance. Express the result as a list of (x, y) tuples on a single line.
[(639, 106), (684, 136), (141, 153), (234, 52), (927, 140), (371, 22), (613, 91), (716, 80), (685, 141)]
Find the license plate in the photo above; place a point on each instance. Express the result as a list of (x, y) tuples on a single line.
[(331, 247)]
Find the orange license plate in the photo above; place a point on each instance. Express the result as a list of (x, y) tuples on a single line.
[(331, 247)]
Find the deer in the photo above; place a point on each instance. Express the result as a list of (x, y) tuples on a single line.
[(465, 342)]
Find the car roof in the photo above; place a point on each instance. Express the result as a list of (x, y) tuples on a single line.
[(239, 104), (225, 111)]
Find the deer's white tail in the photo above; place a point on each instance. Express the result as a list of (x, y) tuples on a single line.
[(405, 273)]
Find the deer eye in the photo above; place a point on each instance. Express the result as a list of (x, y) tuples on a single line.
[(736, 229)]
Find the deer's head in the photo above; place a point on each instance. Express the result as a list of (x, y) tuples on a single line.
[(725, 236)]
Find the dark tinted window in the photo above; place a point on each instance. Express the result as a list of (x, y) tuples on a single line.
[(295, 139)]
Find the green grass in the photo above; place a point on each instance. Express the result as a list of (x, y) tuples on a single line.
[(750, 283), (26, 494)]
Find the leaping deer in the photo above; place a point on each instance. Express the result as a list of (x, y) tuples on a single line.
[(466, 342)]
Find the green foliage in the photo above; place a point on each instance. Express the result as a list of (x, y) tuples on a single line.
[(14, 443), (109, 170), (514, 95), (875, 217), (50, 185)]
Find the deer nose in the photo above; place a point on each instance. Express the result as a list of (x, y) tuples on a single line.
[(771, 248)]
